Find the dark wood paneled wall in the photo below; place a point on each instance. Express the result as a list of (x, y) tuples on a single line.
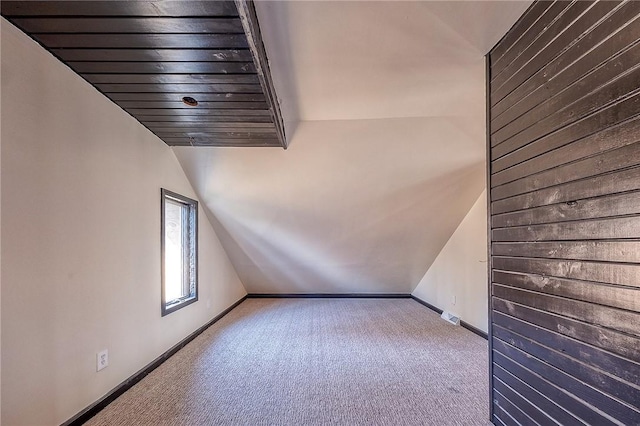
[(564, 177)]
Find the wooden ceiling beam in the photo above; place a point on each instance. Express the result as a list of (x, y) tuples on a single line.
[(249, 18), (175, 8), (150, 57), (148, 25)]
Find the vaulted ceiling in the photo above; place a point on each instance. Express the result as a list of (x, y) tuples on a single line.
[(383, 105), (385, 112)]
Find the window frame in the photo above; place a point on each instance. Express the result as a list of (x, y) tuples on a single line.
[(190, 252)]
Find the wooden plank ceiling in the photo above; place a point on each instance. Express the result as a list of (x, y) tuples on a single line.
[(150, 56)]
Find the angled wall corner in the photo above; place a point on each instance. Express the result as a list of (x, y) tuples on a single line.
[(353, 206), (277, 39), (457, 279), (80, 242)]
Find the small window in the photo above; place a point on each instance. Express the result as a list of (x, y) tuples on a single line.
[(179, 247)]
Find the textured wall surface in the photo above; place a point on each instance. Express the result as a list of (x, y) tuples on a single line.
[(565, 215)]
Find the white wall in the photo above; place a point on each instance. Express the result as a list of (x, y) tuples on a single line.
[(360, 206), (460, 270), (81, 241), (384, 106)]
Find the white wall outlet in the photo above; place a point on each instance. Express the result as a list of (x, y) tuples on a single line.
[(102, 360), (453, 299), (208, 303)]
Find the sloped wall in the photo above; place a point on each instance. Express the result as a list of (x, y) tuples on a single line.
[(81, 241), (384, 105), (457, 279), (353, 206)]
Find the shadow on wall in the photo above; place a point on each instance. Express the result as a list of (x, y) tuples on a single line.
[(282, 67), (366, 246)]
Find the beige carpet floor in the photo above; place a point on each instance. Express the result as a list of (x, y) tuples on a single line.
[(317, 362)]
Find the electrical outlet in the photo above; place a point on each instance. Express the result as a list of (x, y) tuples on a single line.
[(453, 300), (208, 303), (102, 360)]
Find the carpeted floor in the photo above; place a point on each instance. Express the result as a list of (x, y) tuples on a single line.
[(317, 362)]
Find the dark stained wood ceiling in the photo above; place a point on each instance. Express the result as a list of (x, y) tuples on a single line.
[(147, 55)]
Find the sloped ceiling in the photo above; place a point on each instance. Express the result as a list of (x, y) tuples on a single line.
[(384, 106)]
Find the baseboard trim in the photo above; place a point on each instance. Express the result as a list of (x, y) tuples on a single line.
[(328, 296), (428, 305), (102, 403), (474, 330), (462, 323)]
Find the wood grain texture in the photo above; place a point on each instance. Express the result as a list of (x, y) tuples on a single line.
[(211, 126), (609, 183), (564, 178), (588, 291), (179, 88), (564, 32), (518, 410), (620, 135), (177, 95), (195, 111), (531, 412), (602, 272), (606, 117), (501, 416), (199, 120), (518, 350), (172, 8), (591, 49), (610, 340), (629, 105), (250, 23), (146, 56), (145, 41), (622, 368), (604, 251), (612, 318), (530, 16), (591, 166), (528, 35), (191, 67), (540, 394), (560, 23), (218, 134), (621, 396), (201, 105), (131, 25), (596, 229), (563, 407), (614, 81), (154, 55), (606, 206), (598, 89), (172, 79)]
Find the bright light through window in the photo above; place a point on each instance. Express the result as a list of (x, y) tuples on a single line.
[(179, 251), (174, 261)]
